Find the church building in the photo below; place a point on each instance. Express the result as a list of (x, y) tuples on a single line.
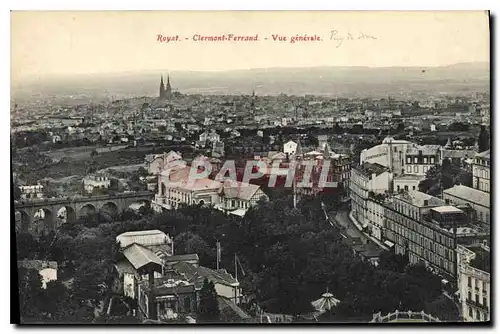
[(165, 93)]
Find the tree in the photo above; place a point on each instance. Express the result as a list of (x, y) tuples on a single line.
[(17, 192), (393, 262), (30, 292), (54, 299), (208, 310), (191, 243), (484, 139)]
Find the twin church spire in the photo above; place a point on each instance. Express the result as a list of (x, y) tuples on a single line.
[(165, 93)]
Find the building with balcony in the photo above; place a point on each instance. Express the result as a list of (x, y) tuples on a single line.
[(474, 285), (365, 179), (481, 171), (426, 230)]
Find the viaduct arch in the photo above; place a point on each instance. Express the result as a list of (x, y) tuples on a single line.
[(30, 217)]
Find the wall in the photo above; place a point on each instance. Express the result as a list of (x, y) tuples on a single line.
[(228, 291), (48, 274)]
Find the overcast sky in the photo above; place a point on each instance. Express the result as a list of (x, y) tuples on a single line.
[(48, 43)]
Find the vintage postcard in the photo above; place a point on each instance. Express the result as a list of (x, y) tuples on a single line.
[(173, 167)]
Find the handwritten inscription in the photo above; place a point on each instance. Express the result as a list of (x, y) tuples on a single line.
[(340, 38)]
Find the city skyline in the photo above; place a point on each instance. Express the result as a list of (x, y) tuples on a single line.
[(71, 43)]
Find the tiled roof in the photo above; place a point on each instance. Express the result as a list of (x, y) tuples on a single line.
[(469, 194), (37, 264), (409, 177), (239, 190), (485, 154), (455, 154), (140, 256), (426, 149), (197, 184), (145, 238), (182, 257), (368, 169), (230, 311), (417, 198), (198, 274)]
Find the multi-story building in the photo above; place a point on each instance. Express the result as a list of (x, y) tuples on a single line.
[(407, 182), (481, 171), (328, 167), (426, 230), (376, 216), (419, 159), (365, 179), (474, 285), (391, 154), (476, 199), (178, 186), (35, 191), (92, 182), (148, 261)]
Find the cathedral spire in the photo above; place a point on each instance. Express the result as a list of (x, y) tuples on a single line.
[(168, 92), (162, 88)]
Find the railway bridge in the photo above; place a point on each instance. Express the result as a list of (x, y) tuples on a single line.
[(39, 215)]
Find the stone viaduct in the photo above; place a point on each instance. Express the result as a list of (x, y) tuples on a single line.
[(75, 207)]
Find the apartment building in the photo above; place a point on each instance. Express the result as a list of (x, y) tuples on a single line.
[(369, 178), (428, 230), (474, 285), (419, 159), (481, 171)]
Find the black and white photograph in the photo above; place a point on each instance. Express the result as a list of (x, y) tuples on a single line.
[(250, 167)]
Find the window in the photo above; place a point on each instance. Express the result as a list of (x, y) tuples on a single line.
[(478, 315), (416, 169), (432, 160), (425, 160), (413, 187), (415, 160), (484, 301), (469, 295), (408, 160), (470, 311)]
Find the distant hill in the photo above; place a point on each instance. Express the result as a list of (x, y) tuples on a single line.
[(331, 81)]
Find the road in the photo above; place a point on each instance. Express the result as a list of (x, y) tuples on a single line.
[(341, 220)]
